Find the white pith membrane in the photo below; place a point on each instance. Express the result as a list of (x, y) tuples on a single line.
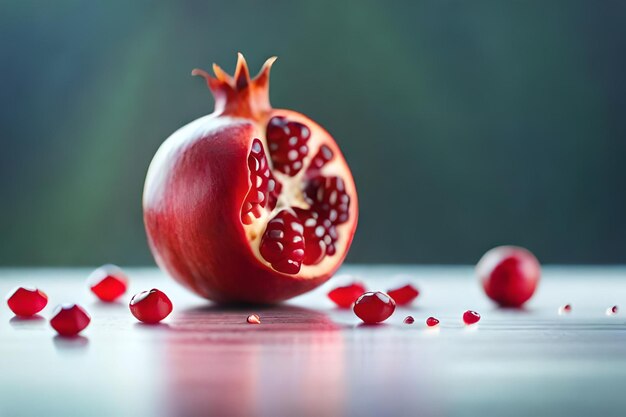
[(292, 196)]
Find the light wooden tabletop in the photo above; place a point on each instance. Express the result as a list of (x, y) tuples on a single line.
[(310, 359)]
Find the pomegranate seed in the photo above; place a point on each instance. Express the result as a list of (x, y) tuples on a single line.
[(264, 188), (108, 283), (327, 195), (69, 319), (26, 302), (321, 158), (150, 306), (254, 319), (287, 142), (320, 236), (611, 310), (409, 320), (509, 275), (432, 322), (345, 296), (404, 295), (566, 309), (374, 307), (282, 244), (471, 317)]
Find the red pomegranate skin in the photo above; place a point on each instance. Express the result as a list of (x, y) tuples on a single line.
[(509, 275), (192, 207)]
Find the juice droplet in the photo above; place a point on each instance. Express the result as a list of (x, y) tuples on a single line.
[(566, 309), (432, 322), (471, 317)]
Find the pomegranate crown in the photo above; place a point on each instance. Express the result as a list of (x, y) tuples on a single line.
[(239, 95)]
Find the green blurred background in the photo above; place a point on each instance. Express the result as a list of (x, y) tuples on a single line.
[(467, 124)]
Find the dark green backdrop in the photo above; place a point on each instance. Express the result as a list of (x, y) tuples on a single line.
[(467, 124)]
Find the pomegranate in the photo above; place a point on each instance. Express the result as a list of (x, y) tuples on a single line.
[(250, 203), (509, 275)]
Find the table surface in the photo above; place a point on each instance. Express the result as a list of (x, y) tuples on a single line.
[(308, 358)]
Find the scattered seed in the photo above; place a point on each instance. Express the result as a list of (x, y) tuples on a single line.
[(253, 319)]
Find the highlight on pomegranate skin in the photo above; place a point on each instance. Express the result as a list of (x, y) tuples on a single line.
[(69, 319), (150, 307), (471, 317), (345, 296), (374, 307), (404, 295), (108, 283), (266, 188), (27, 301), (509, 275)]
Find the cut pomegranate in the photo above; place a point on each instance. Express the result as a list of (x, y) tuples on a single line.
[(264, 189), (69, 319), (287, 142), (432, 322), (471, 317), (345, 296), (150, 306), (254, 319), (509, 275), (320, 236), (26, 302), (409, 320), (374, 307), (108, 283), (327, 195), (283, 243), (321, 158), (404, 295), (250, 203)]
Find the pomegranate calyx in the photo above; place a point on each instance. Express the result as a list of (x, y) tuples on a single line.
[(239, 95)]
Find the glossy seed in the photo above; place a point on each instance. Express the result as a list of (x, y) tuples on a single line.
[(431, 322), (471, 317), (254, 319)]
